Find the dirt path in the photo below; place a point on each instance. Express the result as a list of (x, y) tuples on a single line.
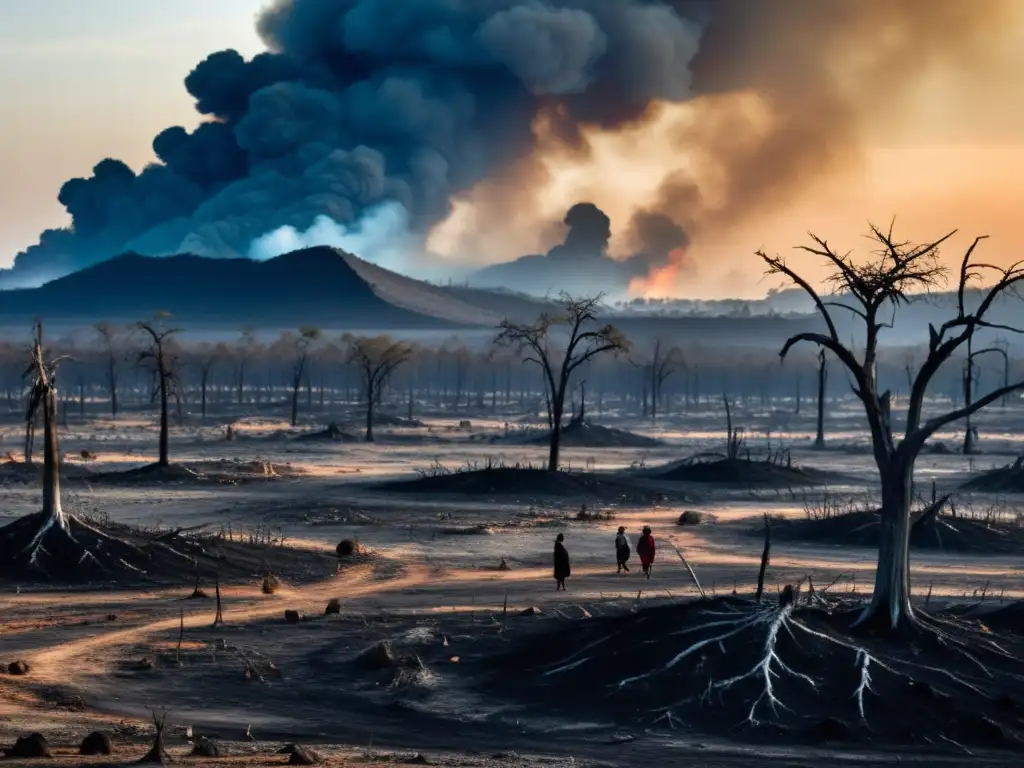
[(56, 663)]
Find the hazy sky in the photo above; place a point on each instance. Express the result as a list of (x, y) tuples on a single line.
[(81, 80), (87, 79)]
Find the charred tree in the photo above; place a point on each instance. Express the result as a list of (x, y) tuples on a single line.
[(870, 289), (377, 358), (970, 380), (244, 352), (302, 347), (208, 357), (662, 362), (534, 343), (819, 440), (161, 354), (43, 399), (52, 543), (157, 754)]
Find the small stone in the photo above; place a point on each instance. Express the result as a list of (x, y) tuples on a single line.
[(18, 667), (303, 756), (690, 517), (96, 743), (348, 548), (32, 746), (203, 747), (292, 617)]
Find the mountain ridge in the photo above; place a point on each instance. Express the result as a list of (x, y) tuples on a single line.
[(319, 285)]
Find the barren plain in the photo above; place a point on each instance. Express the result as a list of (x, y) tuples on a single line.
[(438, 636)]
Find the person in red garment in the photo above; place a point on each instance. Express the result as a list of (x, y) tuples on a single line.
[(645, 549)]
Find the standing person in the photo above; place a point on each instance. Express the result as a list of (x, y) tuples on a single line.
[(562, 569), (646, 549), (621, 550)]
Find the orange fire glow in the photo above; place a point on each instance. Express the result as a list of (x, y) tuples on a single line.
[(662, 279)]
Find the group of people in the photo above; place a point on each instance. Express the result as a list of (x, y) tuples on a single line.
[(645, 550)]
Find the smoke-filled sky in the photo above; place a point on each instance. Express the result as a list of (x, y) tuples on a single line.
[(487, 120)]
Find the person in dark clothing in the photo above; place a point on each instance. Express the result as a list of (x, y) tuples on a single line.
[(646, 549), (562, 569), (621, 550)]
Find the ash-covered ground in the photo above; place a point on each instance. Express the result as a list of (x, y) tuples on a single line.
[(434, 639)]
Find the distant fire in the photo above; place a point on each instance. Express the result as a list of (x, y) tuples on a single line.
[(662, 280)]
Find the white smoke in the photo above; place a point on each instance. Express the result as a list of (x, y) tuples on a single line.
[(381, 236)]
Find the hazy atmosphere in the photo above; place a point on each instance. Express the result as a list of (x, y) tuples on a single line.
[(769, 135), (512, 383)]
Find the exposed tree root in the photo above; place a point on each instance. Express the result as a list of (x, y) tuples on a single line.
[(43, 546), (794, 666), (68, 549)]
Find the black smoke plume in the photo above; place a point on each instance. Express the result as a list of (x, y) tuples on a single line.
[(364, 102), (412, 102), (581, 262)]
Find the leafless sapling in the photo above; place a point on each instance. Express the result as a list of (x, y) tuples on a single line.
[(207, 356), (970, 381), (244, 351), (576, 319), (302, 346), (819, 439), (376, 358), (161, 353), (662, 361)]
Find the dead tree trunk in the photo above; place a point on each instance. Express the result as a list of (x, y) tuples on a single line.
[(968, 386), (369, 415), (157, 754), (164, 376), (890, 603), (557, 408), (766, 555), (112, 385), (819, 440), (296, 385), (51, 460), (241, 382)]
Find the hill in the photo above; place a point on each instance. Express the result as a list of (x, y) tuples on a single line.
[(319, 286)]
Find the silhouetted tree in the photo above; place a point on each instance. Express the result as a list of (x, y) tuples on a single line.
[(244, 351), (819, 440), (376, 358), (161, 354), (871, 289), (657, 367), (112, 343), (302, 344), (207, 356), (575, 317)]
